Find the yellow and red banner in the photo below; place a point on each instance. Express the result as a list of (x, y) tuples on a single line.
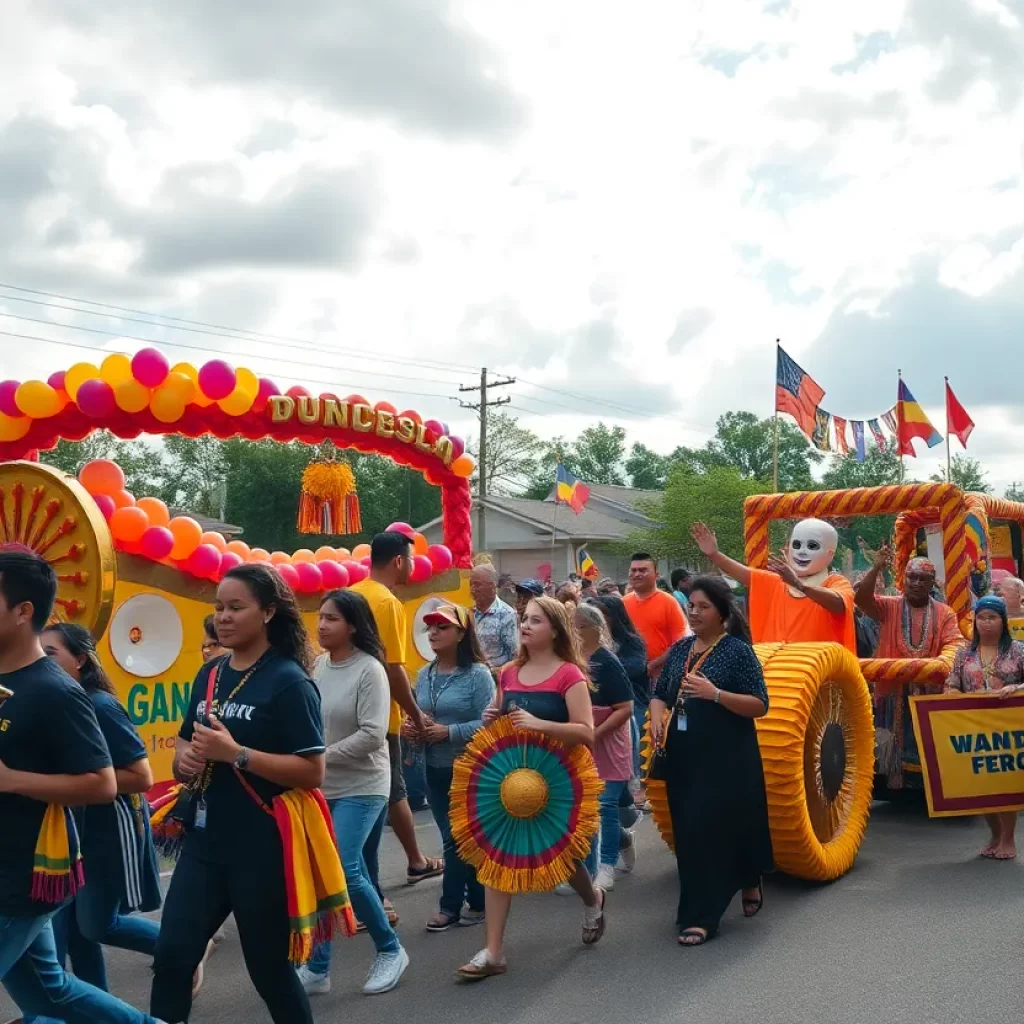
[(972, 752)]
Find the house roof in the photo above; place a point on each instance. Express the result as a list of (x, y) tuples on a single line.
[(208, 524)]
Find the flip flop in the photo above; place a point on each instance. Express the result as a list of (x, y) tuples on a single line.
[(698, 936), (751, 908), (434, 866)]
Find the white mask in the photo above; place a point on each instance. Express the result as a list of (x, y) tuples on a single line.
[(812, 546)]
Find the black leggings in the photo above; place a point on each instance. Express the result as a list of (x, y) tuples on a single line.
[(200, 898)]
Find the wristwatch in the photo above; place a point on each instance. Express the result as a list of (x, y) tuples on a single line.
[(718, 695), (242, 760)]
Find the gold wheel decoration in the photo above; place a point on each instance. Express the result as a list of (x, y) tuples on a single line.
[(48, 512), (657, 795), (818, 749)]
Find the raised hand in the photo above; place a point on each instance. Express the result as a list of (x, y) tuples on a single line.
[(705, 539), (883, 556)]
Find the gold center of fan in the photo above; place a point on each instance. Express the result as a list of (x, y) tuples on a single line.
[(524, 793)]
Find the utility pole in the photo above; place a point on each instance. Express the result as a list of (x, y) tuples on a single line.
[(482, 406)]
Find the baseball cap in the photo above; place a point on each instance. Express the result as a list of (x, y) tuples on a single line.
[(447, 614), (531, 586)]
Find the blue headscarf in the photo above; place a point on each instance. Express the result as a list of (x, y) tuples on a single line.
[(991, 603)]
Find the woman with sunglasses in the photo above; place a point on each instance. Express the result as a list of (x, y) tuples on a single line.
[(453, 691)]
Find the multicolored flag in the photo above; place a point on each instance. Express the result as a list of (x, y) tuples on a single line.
[(891, 420), (841, 445), (796, 393), (858, 439), (913, 423), (822, 430), (876, 432), (569, 490), (958, 423), (585, 565)]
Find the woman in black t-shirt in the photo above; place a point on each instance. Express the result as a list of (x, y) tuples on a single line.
[(260, 736)]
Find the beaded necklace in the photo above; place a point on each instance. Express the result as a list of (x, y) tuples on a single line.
[(926, 625)]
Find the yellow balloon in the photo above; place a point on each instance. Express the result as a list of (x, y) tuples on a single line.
[(77, 376), (247, 380), (37, 399), (13, 428), (188, 370), (116, 369), (182, 385), (131, 396), (166, 406), (238, 403)]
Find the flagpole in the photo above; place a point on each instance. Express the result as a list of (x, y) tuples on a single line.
[(554, 516), (899, 421), (949, 471), (775, 442)]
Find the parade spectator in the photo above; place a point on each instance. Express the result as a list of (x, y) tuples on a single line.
[(355, 697), (612, 700), (1011, 590), (992, 663), (656, 615), (211, 645), (253, 730), (568, 593), (390, 565), (526, 591), (52, 757), (549, 677), (680, 586), (714, 685), (911, 625), (453, 691), (606, 585), (497, 626)]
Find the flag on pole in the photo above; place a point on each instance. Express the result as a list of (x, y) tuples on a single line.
[(841, 445), (822, 430), (858, 439), (958, 423), (891, 420), (585, 565), (912, 422), (569, 490), (796, 393), (876, 432)]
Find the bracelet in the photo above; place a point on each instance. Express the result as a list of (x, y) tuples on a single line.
[(718, 694)]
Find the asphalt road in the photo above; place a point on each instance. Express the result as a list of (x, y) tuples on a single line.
[(920, 931)]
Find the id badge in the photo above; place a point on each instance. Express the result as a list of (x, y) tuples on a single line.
[(681, 722), (200, 821)]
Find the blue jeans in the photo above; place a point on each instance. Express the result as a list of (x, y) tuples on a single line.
[(607, 838), (371, 852), (459, 882), (35, 980), (354, 819), (413, 765)]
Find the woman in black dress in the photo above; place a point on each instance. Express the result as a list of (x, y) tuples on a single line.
[(714, 685)]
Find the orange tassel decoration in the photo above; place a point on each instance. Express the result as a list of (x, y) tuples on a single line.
[(328, 504)]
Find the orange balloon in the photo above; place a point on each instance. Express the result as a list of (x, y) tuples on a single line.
[(156, 510), (14, 428), (360, 551), (464, 466), (215, 539), (325, 554), (257, 554), (303, 555), (128, 523), (101, 476), (240, 548), (188, 535), (280, 558), (340, 554), (419, 544), (123, 499)]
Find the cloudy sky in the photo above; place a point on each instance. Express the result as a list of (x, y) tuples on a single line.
[(621, 204)]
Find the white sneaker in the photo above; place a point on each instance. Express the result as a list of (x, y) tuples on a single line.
[(314, 984), (605, 878), (627, 856), (386, 972), (565, 889)]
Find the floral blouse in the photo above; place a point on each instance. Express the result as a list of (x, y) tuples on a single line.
[(968, 675)]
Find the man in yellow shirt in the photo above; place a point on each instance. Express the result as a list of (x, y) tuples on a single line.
[(390, 565)]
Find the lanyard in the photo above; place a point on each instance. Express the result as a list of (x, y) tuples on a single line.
[(435, 697)]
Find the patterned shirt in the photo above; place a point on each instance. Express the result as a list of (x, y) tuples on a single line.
[(970, 675), (497, 629)]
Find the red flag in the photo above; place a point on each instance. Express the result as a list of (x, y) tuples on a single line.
[(957, 420)]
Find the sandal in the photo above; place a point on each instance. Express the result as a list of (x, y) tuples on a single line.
[(480, 967), (441, 921), (389, 910), (593, 919), (751, 908), (433, 867), (694, 937)]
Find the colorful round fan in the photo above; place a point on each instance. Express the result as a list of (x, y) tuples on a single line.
[(524, 807)]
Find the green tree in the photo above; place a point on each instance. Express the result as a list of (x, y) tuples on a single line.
[(143, 462), (595, 457), (1015, 492), (647, 469), (512, 453), (966, 473), (197, 480)]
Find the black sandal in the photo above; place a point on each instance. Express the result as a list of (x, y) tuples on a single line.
[(699, 935), (751, 908)]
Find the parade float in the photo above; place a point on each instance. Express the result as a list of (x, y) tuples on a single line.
[(143, 580)]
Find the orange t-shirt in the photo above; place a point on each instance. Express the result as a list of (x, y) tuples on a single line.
[(658, 619), (776, 616)]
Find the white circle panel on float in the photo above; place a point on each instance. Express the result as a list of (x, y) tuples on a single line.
[(419, 630), (146, 635)]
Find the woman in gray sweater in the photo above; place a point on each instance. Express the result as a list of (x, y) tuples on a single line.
[(453, 691), (355, 701)]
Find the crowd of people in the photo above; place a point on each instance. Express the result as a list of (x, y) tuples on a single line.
[(584, 663)]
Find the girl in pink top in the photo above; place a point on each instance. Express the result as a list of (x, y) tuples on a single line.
[(544, 689)]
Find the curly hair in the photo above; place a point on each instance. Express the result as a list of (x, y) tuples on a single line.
[(565, 643), (286, 632)]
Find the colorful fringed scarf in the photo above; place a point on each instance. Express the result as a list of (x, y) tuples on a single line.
[(318, 903), (57, 870)]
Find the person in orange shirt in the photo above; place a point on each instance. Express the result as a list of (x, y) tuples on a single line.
[(656, 614), (797, 598)]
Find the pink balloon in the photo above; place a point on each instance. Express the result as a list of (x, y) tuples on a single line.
[(458, 447), (204, 561), (356, 571), (440, 557), (156, 542), (150, 367), (96, 399), (56, 380), (266, 390), (334, 575), (228, 561), (421, 569), (365, 561), (105, 504), (310, 578), (216, 379), (435, 427), (289, 575), (7, 404), (402, 528)]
